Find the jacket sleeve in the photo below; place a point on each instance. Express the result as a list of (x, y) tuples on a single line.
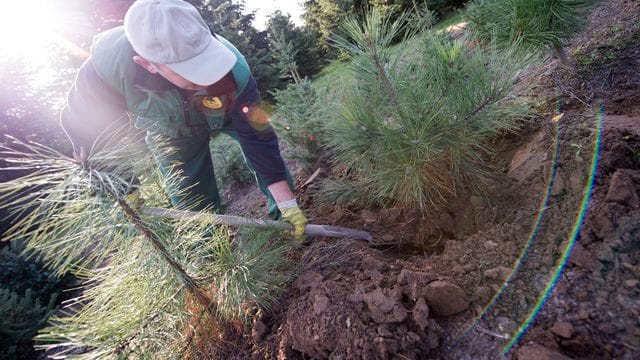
[(92, 110), (257, 138)]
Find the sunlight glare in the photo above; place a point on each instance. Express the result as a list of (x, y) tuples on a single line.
[(25, 28)]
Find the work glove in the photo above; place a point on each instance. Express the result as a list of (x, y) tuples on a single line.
[(292, 214)]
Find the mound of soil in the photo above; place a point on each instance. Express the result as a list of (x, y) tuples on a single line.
[(549, 260), (364, 306)]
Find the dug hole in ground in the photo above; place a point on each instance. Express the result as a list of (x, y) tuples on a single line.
[(474, 280)]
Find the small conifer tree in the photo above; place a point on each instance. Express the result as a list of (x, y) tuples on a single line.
[(410, 129), (299, 110), (284, 54), (299, 114)]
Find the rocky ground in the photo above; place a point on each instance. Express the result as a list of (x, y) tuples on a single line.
[(545, 266)]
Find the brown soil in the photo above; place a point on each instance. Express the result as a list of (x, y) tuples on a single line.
[(429, 298)]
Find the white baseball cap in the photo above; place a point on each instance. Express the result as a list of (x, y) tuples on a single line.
[(172, 33)]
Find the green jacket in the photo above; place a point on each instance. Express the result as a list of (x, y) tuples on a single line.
[(109, 85)]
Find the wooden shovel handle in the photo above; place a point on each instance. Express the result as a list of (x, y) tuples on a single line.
[(310, 229)]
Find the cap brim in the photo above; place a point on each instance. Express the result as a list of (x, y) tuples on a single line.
[(207, 67)]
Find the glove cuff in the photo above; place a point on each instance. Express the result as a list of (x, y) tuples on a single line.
[(287, 204)]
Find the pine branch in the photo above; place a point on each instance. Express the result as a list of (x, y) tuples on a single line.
[(187, 280), (382, 74), (436, 103), (77, 218), (486, 102), (126, 343)]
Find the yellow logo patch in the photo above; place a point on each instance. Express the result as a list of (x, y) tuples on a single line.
[(212, 102)]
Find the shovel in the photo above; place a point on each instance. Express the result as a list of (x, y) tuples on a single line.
[(311, 230)]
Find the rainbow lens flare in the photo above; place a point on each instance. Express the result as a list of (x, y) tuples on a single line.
[(562, 261), (572, 237)]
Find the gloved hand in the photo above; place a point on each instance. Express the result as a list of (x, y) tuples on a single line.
[(293, 215)]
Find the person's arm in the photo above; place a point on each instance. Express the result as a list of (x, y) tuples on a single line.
[(92, 110), (260, 145), (281, 191), (94, 118), (289, 208), (258, 140)]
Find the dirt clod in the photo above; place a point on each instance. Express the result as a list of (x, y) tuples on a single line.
[(308, 280), (320, 303), (581, 257), (420, 314), (563, 329), (445, 298), (622, 189), (483, 294), (538, 352), (498, 273), (385, 306), (414, 283), (259, 330)]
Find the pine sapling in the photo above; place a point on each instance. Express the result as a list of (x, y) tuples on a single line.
[(410, 129)]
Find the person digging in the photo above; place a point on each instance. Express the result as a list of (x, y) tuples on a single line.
[(178, 82)]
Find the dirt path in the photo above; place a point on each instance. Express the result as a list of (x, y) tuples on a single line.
[(546, 267)]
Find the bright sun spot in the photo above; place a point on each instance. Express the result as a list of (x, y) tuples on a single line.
[(25, 28), (30, 54)]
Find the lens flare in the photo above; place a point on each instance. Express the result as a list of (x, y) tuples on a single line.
[(536, 225), (544, 205), (572, 237), (534, 230)]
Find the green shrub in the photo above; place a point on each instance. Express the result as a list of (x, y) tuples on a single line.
[(21, 316), (410, 129), (298, 118), (527, 24), (27, 296), (19, 274)]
